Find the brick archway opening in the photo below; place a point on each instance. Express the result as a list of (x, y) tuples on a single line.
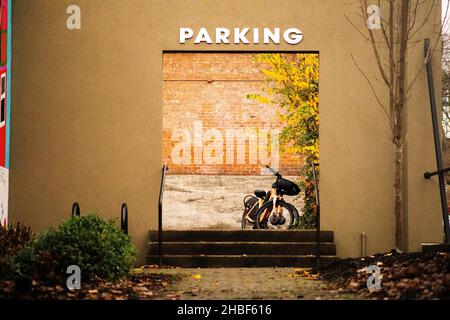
[(217, 139)]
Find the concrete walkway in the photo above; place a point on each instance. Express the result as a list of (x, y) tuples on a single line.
[(246, 283)]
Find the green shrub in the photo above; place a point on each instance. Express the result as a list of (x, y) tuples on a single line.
[(22, 264), (97, 246)]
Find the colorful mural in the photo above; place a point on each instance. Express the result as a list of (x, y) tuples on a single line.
[(4, 107)]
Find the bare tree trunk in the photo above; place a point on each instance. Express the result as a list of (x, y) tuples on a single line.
[(398, 29), (399, 129), (391, 44), (398, 195)]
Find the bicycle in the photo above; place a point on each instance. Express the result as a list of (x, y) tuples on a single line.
[(269, 210)]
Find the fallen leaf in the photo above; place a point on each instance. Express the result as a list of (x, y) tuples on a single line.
[(59, 288), (354, 285)]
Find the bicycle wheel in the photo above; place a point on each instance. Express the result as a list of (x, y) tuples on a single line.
[(250, 203), (284, 217), (296, 214)]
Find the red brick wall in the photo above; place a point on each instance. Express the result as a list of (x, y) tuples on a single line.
[(211, 89)]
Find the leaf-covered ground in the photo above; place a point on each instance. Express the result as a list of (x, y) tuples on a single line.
[(403, 275), (194, 284), (249, 283), (139, 286)]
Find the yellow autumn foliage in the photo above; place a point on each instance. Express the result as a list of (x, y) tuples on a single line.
[(292, 85), (292, 82)]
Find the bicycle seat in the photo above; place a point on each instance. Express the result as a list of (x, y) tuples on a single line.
[(260, 194)]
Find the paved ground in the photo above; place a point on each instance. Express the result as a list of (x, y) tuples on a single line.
[(211, 202), (246, 283)]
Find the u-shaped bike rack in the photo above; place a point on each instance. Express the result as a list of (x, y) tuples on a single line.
[(76, 212)]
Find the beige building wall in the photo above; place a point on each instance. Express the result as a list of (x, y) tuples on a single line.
[(87, 113)]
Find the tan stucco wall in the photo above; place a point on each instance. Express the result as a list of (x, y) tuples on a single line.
[(87, 113)]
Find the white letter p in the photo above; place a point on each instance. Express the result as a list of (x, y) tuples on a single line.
[(185, 33)]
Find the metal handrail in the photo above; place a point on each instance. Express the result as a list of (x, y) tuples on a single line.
[(428, 175), (437, 143), (160, 226), (316, 191)]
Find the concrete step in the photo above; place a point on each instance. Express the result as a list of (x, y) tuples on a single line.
[(242, 248), (237, 261), (241, 236)]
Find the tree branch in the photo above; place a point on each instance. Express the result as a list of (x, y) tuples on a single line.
[(374, 47), (373, 91)]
